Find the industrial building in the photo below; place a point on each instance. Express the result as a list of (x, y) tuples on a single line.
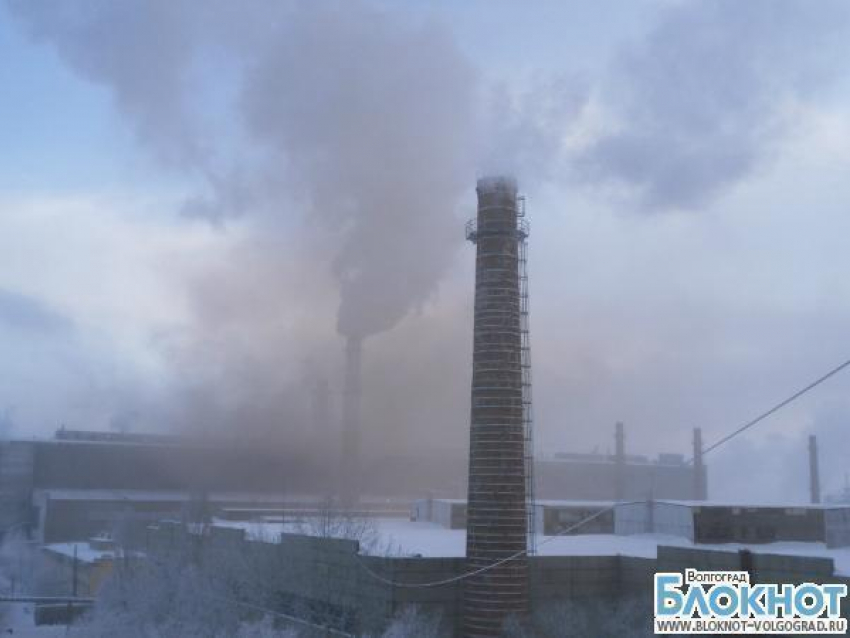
[(368, 589), (716, 523), (529, 531), (80, 483), (621, 476), (700, 522), (550, 517)]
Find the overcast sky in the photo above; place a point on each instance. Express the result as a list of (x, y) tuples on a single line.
[(198, 199)]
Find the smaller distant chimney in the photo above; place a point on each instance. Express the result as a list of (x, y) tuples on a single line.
[(351, 421), (814, 473), (321, 409), (620, 460), (700, 486)]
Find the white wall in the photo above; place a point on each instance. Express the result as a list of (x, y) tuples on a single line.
[(656, 517)]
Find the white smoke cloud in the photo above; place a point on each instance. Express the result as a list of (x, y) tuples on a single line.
[(701, 102), (347, 137), (362, 116)]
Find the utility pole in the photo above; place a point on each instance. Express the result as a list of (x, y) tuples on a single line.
[(620, 460), (74, 574), (700, 486), (814, 472)]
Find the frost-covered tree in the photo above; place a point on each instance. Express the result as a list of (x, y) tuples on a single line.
[(333, 521), (25, 567), (197, 582), (601, 618), (411, 623)]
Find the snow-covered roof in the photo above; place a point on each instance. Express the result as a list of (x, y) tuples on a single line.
[(65, 494), (409, 538), (751, 505), (85, 552), (542, 502)]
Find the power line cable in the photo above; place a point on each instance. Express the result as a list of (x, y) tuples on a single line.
[(775, 408), (294, 619), (584, 521), (480, 570)]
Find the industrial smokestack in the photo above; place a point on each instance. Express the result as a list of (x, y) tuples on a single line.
[(700, 483), (497, 524), (814, 472), (321, 411), (620, 460), (351, 421)]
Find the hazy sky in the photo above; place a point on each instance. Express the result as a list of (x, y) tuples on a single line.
[(195, 198)]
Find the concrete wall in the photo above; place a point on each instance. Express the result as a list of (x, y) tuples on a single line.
[(763, 568), (554, 578), (716, 524), (326, 581), (837, 527), (632, 518), (447, 513), (654, 517), (554, 519), (673, 519)]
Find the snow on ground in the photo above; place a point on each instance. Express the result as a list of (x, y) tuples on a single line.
[(85, 553), (400, 536)]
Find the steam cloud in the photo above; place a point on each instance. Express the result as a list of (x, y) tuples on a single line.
[(346, 136), (365, 117), (700, 103), (377, 141)]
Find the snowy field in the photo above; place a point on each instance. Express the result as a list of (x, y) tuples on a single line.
[(398, 536)]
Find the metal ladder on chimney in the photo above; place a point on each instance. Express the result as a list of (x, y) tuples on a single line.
[(527, 412)]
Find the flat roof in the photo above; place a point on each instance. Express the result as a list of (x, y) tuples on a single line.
[(398, 537), (745, 505), (72, 494), (85, 552), (241, 500), (543, 502)]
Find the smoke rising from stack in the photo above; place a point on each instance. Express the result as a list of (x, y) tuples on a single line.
[(355, 144), (350, 152), (700, 476), (814, 470), (342, 141)]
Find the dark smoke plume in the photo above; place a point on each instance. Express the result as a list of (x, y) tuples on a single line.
[(337, 142), (354, 119), (373, 119)]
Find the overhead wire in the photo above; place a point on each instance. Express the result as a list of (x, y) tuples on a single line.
[(481, 570), (761, 417)]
